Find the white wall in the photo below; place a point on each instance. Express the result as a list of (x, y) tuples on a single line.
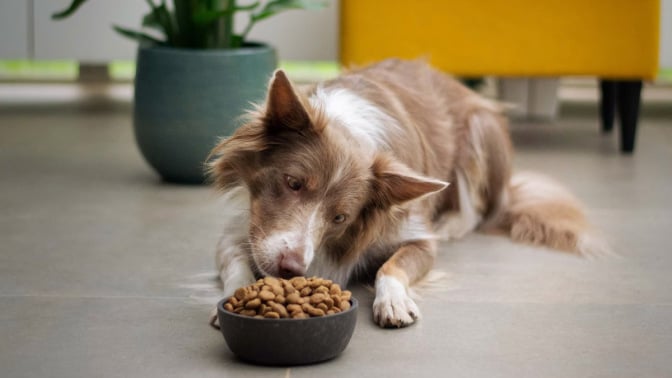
[(87, 35), (301, 35), (14, 29)]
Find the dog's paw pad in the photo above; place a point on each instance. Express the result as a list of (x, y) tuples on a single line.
[(393, 308)]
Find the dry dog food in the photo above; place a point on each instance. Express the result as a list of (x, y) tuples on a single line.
[(296, 298)]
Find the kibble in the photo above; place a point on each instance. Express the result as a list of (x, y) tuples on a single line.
[(266, 295), (297, 298)]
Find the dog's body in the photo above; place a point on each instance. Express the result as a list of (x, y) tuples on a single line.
[(353, 174)]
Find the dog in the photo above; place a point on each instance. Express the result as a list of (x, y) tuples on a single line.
[(363, 174)]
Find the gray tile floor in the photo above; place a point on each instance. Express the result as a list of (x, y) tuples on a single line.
[(105, 271)]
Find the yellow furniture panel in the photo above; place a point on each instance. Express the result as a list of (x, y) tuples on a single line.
[(606, 38)]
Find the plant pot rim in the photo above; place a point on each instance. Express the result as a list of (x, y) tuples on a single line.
[(248, 49)]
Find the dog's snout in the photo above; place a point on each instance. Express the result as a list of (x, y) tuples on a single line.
[(291, 265)]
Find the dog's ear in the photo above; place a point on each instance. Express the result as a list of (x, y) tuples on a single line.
[(235, 154), (283, 107), (394, 183)]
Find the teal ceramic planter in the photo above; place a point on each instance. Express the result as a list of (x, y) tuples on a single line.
[(185, 100)]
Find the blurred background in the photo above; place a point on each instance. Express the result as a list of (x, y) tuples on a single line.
[(106, 257), (35, 48)]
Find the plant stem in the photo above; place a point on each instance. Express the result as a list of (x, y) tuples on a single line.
[(185, 32), (225, 25)]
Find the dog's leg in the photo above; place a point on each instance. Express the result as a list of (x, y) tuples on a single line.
[(393, 306), (234, 271)]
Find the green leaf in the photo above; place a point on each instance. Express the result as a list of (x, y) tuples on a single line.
[(277, 6), (138, 36), (160, 19), (151, 21), (204, 17), (70, 10), (236, 41)]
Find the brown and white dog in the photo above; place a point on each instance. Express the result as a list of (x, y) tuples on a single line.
[(352, 175)]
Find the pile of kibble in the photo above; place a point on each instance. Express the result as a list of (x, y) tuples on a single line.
[(296, 298)]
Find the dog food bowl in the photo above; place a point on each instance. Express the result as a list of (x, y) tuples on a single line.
[(287, 341)]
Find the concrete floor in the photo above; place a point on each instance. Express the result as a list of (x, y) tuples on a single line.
[(105, 271)]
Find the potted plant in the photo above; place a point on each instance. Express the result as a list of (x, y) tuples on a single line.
[(195, 76)]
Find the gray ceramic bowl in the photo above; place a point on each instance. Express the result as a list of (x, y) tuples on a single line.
[(287, 341)]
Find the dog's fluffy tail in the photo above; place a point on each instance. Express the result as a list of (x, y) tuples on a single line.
[(540, 211)]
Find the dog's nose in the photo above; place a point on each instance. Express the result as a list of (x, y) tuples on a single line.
[(291, 265)]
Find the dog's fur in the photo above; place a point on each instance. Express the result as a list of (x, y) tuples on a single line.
[(353, 174)]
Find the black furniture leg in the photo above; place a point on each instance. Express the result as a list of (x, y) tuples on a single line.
[(628, 99), (607, 104)]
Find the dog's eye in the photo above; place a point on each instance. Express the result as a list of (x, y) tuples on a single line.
[(293, 183), (340, 218)]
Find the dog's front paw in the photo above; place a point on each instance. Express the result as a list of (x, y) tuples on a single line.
[(233, 277), (214, 319), (392, 306), (227, 292)]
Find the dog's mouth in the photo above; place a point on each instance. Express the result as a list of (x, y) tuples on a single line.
[(284, 263)]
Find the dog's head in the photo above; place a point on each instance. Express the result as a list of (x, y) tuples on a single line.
[(312, 190)]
